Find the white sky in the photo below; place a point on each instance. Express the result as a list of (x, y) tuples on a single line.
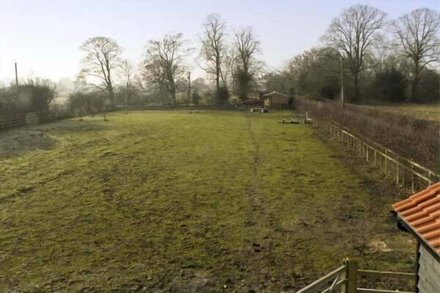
[(44, 36)]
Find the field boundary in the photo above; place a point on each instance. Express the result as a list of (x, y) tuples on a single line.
[(348, 277), (415, 139), (28, 118), (405, 173)]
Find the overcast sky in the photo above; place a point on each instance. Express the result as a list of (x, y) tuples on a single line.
[(43, 36)]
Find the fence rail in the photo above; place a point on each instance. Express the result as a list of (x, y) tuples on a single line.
[(410, 137), (30, 118), (329, 282), (346, 279), (404, 172), (21, 119)]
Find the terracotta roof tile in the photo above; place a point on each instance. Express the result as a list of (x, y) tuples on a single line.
[(421, 212)]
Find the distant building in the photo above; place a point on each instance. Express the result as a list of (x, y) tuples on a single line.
[(420, 215), (276, 100)]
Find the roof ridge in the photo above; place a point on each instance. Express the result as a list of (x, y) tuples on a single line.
[(421, 213)]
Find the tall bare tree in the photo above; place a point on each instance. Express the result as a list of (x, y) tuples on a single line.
[(227, 66), (417, 34), (101, 60), (127, 78), (214, 47), (164, 64), (246, 65), (352, 33)]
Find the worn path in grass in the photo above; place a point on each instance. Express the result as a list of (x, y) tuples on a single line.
[(173, 201)]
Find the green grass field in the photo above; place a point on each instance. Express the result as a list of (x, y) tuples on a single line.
[(176, 201)]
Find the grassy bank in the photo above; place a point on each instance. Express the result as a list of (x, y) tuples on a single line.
[(178, 201)]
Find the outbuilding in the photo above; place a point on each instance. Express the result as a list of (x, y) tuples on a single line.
[(276, 100), (420, 215)]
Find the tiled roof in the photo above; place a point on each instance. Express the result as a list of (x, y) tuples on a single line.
[(421, 212)]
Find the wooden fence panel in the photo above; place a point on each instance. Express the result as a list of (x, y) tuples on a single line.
[(404, 172)]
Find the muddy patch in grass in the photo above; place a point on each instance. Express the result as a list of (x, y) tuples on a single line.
[(74, 125), (18, 141)]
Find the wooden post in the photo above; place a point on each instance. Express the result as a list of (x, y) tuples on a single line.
[(412, 180), (385, 163), (16, 74), (405, 173), (367, 150), (397, 171), (351, 275)]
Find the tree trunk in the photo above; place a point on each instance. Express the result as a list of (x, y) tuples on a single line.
[(217, 79), (415, 84), (126, 94), (173, 92), (356, 86)]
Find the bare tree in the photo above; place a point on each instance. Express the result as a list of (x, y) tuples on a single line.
[(246, 65), (163, 62), (227, 66), (128, 73), (101, 59), (214, 48), (154, 75), (353, 32), (417, 34)]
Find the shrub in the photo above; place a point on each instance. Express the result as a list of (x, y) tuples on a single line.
[(223, 95), (196, 98), (389, 85)]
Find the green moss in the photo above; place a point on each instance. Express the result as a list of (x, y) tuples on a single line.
[(179, 201)]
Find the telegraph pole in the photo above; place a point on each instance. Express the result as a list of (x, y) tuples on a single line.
[(16, 74), (189, 87), (342, 82)]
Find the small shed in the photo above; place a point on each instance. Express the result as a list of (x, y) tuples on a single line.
[(420, 215), (276, 100)]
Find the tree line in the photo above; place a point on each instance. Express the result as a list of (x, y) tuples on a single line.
[(375, 59), (230, 61)]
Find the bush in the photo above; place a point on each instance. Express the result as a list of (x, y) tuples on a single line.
[(429, 87), (389, 85), (196, 98), (83, 103), (223, 95), (31, 97)]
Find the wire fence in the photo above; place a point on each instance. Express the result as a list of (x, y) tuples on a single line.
[(404, 172)]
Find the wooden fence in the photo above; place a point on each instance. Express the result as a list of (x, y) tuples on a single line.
[(31, 118), (404, 172), (411, 138), (348, 279)]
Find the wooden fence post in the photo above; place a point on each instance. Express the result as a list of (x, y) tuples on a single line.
[(386, 164), (351, 275), (368, 150), (405, 172), (412, 180)]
